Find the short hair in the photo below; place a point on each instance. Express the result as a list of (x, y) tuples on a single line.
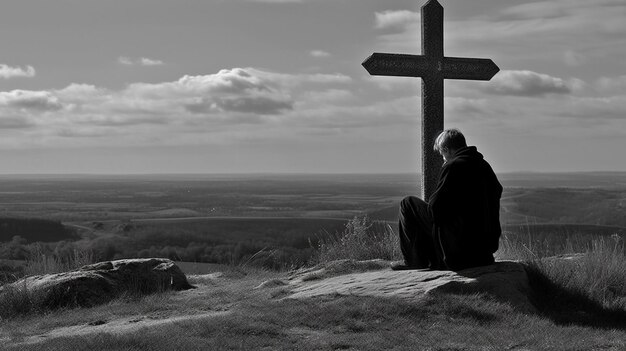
[(449, 139)]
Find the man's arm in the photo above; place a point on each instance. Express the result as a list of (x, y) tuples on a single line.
[(441, 200)]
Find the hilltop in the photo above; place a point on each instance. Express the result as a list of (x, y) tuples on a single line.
[(249, 308), (278, 279)]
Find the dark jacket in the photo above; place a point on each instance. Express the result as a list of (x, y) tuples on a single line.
[(465, 208)]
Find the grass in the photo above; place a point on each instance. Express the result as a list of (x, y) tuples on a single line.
[(362, 239), (234, 286), (39, 263), (587, 286), (17, 300), (438, 322), (582, 303), (597, 269), (599, 274)]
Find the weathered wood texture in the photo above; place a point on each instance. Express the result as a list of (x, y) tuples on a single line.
[(433, 67)]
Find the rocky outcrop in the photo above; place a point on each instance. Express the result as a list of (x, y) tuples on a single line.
[(101, 282), (505, 281)]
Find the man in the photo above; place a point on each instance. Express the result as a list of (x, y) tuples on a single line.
[(460, 225)]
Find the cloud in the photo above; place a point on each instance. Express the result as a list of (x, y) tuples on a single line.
[(594, 110), (12, 72), (150, 62), (238, 90), (573, 31), (125, 61), (466, 106), (611, 85), (30, 100), (571, 23), (142, 61), (260, 105), (334, 96), (229, 90), (534, 10), (555, 8), (248, 104), (569, 115), (319, 53), (228, 97), (396, 19), (295, 80), (528, 83), (88, 132), (14, 122), (573, 59), (276, 1), (79, 92)]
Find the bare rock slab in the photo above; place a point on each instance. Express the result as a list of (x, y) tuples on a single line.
[(505, 281), (102, 282)]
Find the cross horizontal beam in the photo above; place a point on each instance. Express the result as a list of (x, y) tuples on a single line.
[(403, 65), (434, 68)]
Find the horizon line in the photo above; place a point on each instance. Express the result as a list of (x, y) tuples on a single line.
[(74, 174)]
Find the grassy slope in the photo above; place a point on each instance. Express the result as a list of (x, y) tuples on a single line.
[(231, 314)]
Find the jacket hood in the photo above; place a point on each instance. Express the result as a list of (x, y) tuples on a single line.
[(468, 152)]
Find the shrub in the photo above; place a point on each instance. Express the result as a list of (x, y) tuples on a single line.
[(15, 300), (9, 272), (40, 262), (362, 239), (532, 244)]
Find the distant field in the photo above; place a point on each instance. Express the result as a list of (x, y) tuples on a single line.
[(230, 218), (269, 242), (288, 232), (101, 198), (591, 198)]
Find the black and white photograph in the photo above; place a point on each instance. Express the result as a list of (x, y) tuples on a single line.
[(312, 175)]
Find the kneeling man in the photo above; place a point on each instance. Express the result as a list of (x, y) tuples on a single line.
[(459, 227)]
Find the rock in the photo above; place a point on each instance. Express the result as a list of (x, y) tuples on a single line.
[(338, 267), (272, 283), (505, 281), (101, 282), (215, 275)]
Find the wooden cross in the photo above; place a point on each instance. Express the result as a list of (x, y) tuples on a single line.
[(433, 68)]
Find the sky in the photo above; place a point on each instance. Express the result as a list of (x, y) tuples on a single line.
[(277, 86)]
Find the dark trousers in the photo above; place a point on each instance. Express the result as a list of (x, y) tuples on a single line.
[(418, 245)]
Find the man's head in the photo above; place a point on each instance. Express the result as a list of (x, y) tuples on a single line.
[(448, 142)]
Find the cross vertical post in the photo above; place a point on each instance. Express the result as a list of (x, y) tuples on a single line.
[(432, 95), (433, 67)]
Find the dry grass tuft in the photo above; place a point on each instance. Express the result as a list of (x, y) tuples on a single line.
[(599, 274), (39, 263), (362, 239), (17, 300)]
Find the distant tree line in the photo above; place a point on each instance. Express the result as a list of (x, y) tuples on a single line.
[(272, 244), (35, 229), (114, 247)]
